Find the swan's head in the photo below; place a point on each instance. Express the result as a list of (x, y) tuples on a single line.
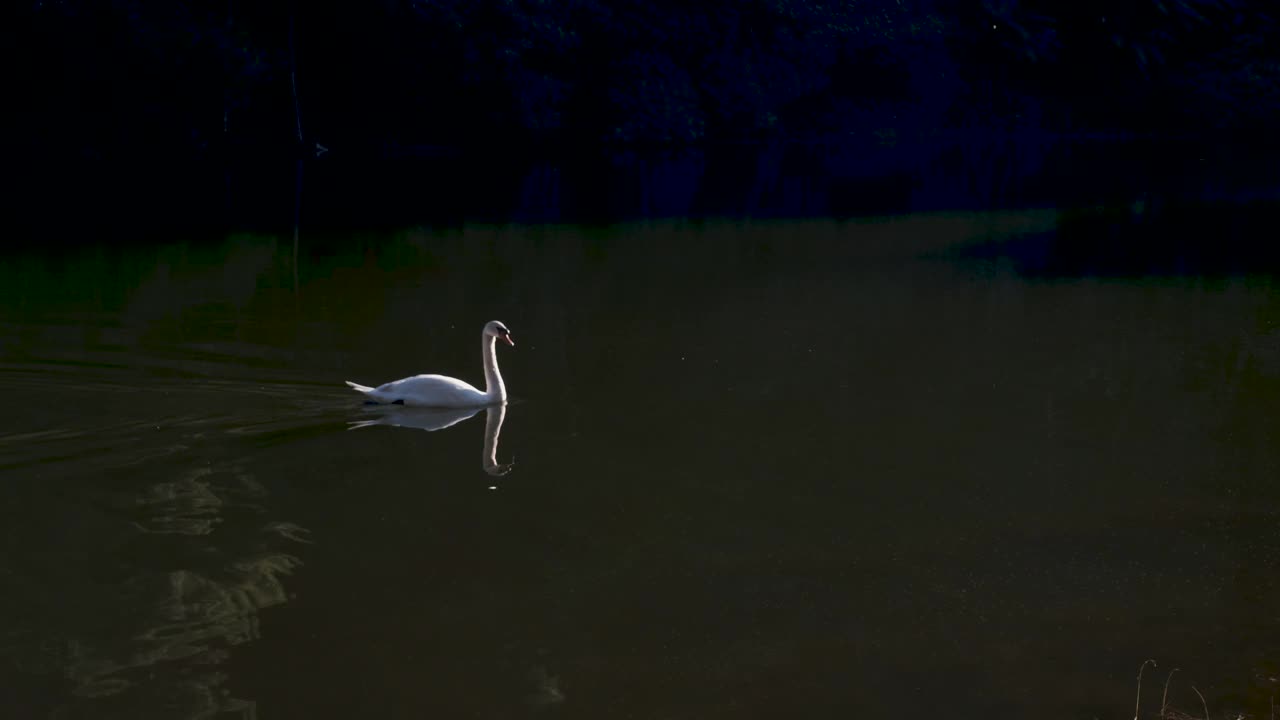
[(497, 330)]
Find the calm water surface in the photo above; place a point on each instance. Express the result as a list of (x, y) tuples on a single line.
[(800, 469)]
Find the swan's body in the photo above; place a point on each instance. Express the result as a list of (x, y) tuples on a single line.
[(439, 391), (435, 391)]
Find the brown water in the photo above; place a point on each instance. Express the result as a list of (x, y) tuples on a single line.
[(792, 469)]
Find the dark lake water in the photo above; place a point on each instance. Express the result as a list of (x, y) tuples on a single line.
[(878, 468)]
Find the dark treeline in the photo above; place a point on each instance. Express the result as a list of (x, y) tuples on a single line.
[(124, 77)]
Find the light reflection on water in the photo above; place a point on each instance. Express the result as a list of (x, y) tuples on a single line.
[(802, 468), (432, 419)]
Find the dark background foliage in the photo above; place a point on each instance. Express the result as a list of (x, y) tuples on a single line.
[(404, 76)]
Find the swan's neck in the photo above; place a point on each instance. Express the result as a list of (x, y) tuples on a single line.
[(493, 386)]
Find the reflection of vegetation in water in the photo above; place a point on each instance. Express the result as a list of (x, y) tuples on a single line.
[(186, 506), (150, 632)]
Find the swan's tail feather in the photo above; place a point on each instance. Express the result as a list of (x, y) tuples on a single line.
[(361, 388)]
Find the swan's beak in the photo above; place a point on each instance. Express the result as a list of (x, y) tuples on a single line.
[(510, 342)]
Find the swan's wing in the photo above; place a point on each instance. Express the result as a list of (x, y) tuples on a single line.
[(429, 391)]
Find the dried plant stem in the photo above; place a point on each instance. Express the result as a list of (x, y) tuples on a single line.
[(1164, 700), (1204, 704), (1138, 700)]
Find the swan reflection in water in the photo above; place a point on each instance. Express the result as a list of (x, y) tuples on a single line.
[(431, 419)]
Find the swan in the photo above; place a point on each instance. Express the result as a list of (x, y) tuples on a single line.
[(439, 391)]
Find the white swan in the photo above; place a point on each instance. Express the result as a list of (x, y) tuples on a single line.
[(439, 391)]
